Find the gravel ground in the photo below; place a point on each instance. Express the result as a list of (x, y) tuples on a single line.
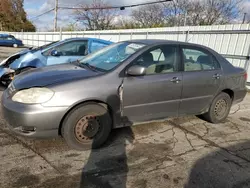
[(7, 51), (179, 152)]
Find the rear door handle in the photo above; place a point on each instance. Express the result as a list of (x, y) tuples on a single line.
[(217, 76), (175, 80)]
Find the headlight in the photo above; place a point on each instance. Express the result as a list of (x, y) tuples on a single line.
[(34, 95)]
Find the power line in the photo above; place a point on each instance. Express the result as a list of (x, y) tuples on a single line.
[(107, 7), (34, 18), (116, 7)]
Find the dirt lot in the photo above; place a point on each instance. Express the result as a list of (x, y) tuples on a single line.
[(6, 51), (180, 152)]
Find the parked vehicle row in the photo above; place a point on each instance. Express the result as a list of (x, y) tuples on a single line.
[(10, 40), (120, 85), (57, 52)]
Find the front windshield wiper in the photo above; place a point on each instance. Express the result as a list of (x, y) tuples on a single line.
[(76, 62), (91, 67), (84, 65)]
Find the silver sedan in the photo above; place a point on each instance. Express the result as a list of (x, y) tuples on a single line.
[(122, 84)]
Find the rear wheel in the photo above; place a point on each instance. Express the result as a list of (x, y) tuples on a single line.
[(15, 45), (86, 126), (219, 109)]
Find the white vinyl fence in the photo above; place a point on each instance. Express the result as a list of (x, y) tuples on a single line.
[(232, 41)]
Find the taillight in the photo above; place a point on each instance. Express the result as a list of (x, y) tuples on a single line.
[(245, 75)]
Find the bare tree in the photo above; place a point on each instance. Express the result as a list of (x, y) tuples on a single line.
[(220, 11), (98, 18), (149, 15), (202, 12)]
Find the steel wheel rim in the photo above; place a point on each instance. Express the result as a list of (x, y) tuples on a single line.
[(87, 128), (220, 108)]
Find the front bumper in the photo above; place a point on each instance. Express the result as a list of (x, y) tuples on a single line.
[(35, 121)]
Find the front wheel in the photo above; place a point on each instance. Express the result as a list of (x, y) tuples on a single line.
[(219, 109), (15, 45), (86, 126)]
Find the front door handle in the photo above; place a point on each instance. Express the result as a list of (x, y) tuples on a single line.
[(217, 76), (175, 80)]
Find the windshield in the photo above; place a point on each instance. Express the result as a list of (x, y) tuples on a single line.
[(112, 55)]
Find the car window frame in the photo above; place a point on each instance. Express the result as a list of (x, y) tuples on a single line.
[(4, 38), (10, 38), (52, 47), (152, 49), (186, 46)]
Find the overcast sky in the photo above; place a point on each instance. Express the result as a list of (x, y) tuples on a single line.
[(35, 7)]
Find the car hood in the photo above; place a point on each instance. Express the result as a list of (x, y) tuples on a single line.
[(51, 75)]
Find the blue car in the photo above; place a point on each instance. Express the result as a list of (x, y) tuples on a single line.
[(57, 52), (10, 40)]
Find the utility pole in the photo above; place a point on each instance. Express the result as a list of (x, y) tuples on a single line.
[(185, 18), (244, 18), (56, 10)]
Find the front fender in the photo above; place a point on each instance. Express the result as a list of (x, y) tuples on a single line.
[(33, 63)]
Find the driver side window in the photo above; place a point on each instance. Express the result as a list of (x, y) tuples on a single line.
[(160, 60), (73, 48)]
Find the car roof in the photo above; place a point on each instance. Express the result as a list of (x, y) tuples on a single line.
[(158, 41), (149, 42), (88, 38), (5, 35)]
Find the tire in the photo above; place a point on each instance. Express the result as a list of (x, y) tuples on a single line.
[(15, 45), (6, 79), (86, 126), (216, 112)]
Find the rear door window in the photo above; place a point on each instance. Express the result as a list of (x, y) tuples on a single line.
[(195, 59)]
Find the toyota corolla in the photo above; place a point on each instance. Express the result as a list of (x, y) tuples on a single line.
[(120, 85)]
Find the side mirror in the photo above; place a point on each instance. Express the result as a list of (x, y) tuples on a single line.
[(136, 70), (55, 53)]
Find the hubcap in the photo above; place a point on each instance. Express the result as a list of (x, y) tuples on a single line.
[(220, 108), (86, 128)]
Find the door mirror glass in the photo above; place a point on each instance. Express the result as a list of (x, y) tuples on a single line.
[(54, 53), (136, 70)]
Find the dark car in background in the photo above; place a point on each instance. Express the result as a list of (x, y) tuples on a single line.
[(10, 40), (120, 85), (57, 52)]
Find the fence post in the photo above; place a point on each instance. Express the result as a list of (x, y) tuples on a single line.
[(247, 68), (60, 33), (131, 35), (187, 34), (22, 35), (147, 35), (45, 38), (38, 42), (32, 39)]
